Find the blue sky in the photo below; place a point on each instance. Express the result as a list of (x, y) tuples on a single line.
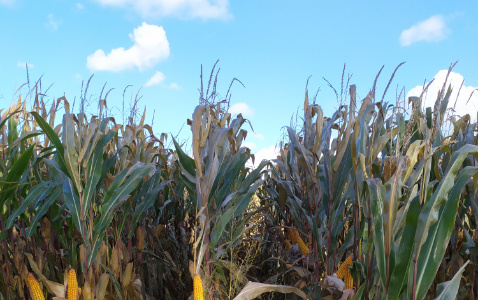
[(271, 46)]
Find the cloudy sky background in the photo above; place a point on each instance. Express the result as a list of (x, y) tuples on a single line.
[(156, 48)]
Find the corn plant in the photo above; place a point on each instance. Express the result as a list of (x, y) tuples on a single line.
[(386, 190)]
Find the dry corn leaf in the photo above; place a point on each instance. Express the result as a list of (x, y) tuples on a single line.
[(18, 254), (254, 289)]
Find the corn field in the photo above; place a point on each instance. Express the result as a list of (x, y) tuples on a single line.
[(372, 202)]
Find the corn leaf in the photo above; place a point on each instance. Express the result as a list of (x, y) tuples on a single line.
[(404, 254), (449, 289), (439, 234), (376, 193), (14, 174)]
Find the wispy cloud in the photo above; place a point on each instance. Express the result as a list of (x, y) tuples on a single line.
[(241, 108), (433, 29), (52, 23), (202, 9), (157, 78), (460, 104), (7, 2), (174, 86), (23, 64), (150, 47), (79, 6), (160, 78)]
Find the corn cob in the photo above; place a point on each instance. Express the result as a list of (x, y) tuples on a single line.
[(35, 289), (287, 244), (127, 274), (72, 285), (348, 280), (344, 268), (302, 246), (198, 291), (291, 235)]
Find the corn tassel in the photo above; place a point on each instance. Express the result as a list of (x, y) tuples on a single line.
[(198, 290), (35, 289), (72, 292)]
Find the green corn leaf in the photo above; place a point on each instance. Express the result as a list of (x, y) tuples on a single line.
[(43, 209), (146, 203), (71, 152), (376, 193), (430, 211), (121, 188), (14, 174), (449, 289), (74, 206), (439, 234), (53, 137), (40, 191), (187, 163), (94, 168), (404, 254)]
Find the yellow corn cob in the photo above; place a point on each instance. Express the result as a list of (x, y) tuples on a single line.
[(295, 232), (198, 291), (287, 244), (348, 280), (344, 267), (35, 289), (302, 246), (72, 285), (291, 235)]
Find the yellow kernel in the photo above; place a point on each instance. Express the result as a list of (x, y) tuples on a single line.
[(72, 292), (198, 289), (35, 289), (344, 267)]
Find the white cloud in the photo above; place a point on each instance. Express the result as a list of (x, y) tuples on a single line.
[(79, 6), (270, 152), (23, 64), (249, 145), (202, 9), (150, 47), (174, 86), (52, 23), (7, 2), (431, 30), (157, 78), (461, 103), (241, 108)]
